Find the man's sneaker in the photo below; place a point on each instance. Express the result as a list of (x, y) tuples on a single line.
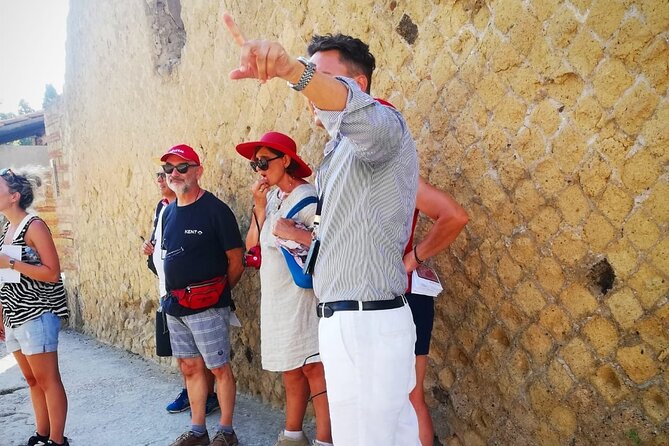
[(64, 443), (180, 404), (285, 441), (189, 438), (212, 404), (224, 439), (37, 440)]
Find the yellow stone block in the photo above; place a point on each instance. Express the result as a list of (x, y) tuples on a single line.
[(442, 71), (654, 63), (508, 271), (655, 332), (524, 32), (641, 171), (631, 37), (544, 61), (649, 285), (466, 131), (609, 384), (578, 300), (549, 178), (511, 317), (542, 398), (568, 148), (524, 81), (491, 90), (523, 250), (569, 248), (544, 8), (546, 116), (660, 256), (550, 275), (641, 231), (564, 420), (573, 205), (492, 195), (559, 379), (578, 358), (529, 298), (527, 199), (585, 52), (566, 87), (474, 166), (635, 108), (605, 16), (615, 204), (587, 114), (530, 144), (507, 13), (510, 113), (545, 223), (610, 81), (656, 404), (656, 15), (594, 175), (562, 27), (657, 204), (624, 307), (538, 344), (637, 363), (556, 321)]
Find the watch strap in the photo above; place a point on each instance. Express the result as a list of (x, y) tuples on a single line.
[(307, 74)]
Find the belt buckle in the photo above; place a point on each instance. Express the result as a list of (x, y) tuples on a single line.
[(326, 311)]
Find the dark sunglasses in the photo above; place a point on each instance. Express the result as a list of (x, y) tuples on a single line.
[(262, 163), (181, 168), (161, 175)]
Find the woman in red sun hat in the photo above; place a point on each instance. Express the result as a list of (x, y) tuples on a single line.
[(284, 209)]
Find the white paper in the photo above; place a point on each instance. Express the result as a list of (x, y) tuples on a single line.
[(8, 275), (425, 281)]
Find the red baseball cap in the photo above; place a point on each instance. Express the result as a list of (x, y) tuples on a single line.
[(183, 151)]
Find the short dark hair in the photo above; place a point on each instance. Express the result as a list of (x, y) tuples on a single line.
[(23, 184), (353, 52)]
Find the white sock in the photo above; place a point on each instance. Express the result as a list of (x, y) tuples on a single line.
[(322, 443), (293, 435)]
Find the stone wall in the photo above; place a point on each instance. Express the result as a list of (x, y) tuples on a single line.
[(546, 119)]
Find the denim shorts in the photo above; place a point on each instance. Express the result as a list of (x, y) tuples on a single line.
[(203, 334), (36, 336)]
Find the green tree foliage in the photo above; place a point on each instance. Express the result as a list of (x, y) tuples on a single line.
[(50, 95), (24, 107)]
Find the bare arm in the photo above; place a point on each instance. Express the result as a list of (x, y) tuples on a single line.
[(39, 238), (449, 220), (285, 228), (235, 265)]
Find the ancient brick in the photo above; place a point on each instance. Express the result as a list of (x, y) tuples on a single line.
[(610, 81), (630, 39), (543, 9), (605, 16), (655, 332), (538, 343), (548, 177), (654, 60), (542, 59), (641, 230), (649, 285), (564, 420), (510, 113), (569, 248), (660, 256), (545, 223), (566, 87), (637, 363), (615, 204), (635, 108), (657, 204), (530, 144), (584, 53), (546, 116), (527, 199), (624, 307), (511, 317), (573, 205), (609, 384), (529, 298), (587, 114), (578, 300), (509, 272), (579, 358), (556, 321), (656, 404), (558, 378), (594, 175), (550, 275), (562, 27)]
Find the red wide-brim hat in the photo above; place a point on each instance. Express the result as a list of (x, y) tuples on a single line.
[(277, 141)]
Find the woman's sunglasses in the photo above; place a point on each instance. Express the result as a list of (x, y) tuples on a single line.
[(181, 168), (262, 163), (161, 175), (8, 175)]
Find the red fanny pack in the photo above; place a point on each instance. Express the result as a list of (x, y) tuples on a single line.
[(202, 294)]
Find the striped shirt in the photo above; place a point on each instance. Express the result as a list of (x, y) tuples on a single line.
[(367, 181), (30, 298)]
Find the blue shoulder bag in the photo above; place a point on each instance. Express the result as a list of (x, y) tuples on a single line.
[(299, 277)]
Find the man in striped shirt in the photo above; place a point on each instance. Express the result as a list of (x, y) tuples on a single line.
[(367, 186)]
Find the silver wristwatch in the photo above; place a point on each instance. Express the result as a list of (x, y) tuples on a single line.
[(307, 75)]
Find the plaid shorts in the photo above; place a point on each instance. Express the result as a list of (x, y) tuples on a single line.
[(205, 334)]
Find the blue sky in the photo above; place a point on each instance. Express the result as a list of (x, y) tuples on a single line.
[(32, 50)]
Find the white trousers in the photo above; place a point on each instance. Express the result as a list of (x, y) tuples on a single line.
[(369, 364)]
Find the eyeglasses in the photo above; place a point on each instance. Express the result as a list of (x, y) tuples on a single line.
[(161, 175), (181, 168), (263, 163)]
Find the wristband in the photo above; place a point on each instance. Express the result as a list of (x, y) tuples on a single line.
[(415, 255)]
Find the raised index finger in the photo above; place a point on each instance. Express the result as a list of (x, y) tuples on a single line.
[(234, 29)]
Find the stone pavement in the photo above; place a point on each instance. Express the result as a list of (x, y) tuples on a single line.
[(118, 399)]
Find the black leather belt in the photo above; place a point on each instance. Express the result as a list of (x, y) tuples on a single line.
[(327, 309)]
